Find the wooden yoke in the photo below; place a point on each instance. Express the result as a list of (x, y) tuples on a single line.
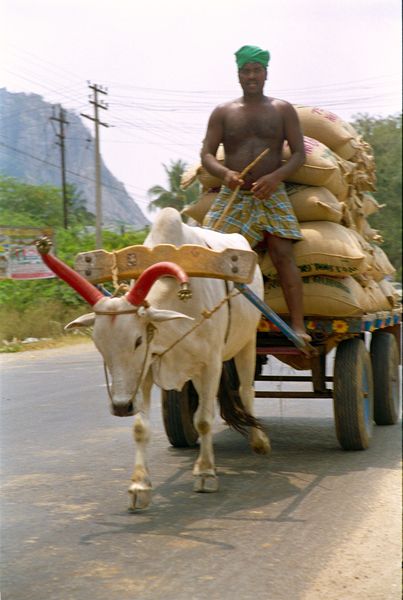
[(232, 264)]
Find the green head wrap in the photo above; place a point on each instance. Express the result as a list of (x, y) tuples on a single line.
[(248, 54)]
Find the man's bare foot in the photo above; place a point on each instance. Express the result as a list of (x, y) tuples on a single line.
[(304, 338), (301, 333)]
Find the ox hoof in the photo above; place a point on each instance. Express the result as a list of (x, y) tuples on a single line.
[(205, 484), (139, 497)]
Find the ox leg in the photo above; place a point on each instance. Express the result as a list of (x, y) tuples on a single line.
[(204, 470), (245, 365), (140, 488)]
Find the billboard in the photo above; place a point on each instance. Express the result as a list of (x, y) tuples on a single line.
[(19, 258)]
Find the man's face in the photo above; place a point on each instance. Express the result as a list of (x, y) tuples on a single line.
[(252, 77)]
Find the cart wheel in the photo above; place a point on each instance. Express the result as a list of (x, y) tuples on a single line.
[(385, 367), (353, 395), (178, 409)]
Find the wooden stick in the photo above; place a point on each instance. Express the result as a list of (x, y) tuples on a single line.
[(236, 190)]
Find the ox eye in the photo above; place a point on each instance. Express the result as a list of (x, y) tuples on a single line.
[(138, 341)]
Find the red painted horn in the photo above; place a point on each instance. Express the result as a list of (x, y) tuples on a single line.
[(143, 284), (83, 287)]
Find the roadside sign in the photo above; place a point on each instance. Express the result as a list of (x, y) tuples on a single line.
[(19, 258)]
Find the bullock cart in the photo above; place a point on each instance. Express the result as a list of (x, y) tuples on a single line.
[(364, 385)]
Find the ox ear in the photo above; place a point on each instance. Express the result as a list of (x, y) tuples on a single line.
[(83, 321), (157, 315)]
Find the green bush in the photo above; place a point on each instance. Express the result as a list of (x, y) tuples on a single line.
[(38, 320)]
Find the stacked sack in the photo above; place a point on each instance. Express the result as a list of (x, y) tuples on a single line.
[(343, 267)]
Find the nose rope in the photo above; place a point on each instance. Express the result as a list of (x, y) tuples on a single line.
[(149, 337)]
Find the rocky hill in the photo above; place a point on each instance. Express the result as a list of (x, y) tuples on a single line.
[(28, 152)]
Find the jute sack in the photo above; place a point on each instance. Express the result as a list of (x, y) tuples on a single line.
[(189, 176), (321, 168), (327, 249), (329, 129), (370, 205), (368, 251), (390, 292), (365, 171), (362, 179), (200, 208), (370, 234), (322, 297), (197, 171), (381, 265), (347, 217), (314, 203), (208, 181), (375, 298), (361, 205)]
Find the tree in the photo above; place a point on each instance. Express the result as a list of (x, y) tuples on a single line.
[(39, 205), (77, 213), (173, 196)]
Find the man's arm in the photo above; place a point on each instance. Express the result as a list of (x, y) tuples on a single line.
[(213, 138), (267, 185)]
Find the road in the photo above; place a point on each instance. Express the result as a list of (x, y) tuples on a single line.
[(311, 522)]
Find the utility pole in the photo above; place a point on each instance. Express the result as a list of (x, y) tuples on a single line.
[(94, 100), (62, 122)]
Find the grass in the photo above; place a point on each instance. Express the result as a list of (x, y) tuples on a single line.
[(44, 344), (39, 325)]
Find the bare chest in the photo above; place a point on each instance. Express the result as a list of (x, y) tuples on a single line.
[(243, 123)]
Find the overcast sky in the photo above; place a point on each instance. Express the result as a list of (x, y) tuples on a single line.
[(167, 64)]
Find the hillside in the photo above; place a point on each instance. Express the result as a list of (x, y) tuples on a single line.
[(28, 152)]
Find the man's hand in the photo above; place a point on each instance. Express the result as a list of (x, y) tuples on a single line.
[(232, 179), (265, 186)]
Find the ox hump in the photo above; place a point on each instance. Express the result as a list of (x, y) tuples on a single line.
[(166, 229)]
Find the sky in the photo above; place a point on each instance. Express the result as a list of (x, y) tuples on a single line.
[(166, 65)]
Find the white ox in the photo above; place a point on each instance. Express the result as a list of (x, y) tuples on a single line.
[(133, 337)]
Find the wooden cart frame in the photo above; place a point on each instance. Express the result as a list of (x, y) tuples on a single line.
[(365, 384)]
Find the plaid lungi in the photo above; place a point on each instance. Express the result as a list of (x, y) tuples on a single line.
[(252, 217)]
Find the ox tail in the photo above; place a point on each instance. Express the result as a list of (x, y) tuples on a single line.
[(231, 408)]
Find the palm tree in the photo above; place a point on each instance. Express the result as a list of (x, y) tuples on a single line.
[(175, 196)]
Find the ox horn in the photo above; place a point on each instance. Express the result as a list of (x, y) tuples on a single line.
[(83, 287), (143, 284)]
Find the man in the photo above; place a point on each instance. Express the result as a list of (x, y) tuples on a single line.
[(261, 210)]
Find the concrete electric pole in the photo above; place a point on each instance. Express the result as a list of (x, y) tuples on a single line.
[(62, 122), (94, 100)]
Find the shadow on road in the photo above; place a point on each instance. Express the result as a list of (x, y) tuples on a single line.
[(252, 488)]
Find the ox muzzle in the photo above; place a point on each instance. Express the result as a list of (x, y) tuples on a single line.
[(120, 409)]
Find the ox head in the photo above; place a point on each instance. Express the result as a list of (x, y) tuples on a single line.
[(123, 327)]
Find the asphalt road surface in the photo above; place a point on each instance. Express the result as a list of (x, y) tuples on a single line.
[(311, 522)]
